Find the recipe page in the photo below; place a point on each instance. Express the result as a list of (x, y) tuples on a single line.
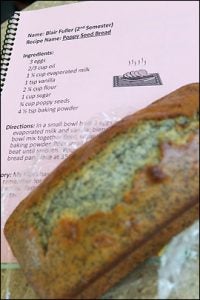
[(73, 63)]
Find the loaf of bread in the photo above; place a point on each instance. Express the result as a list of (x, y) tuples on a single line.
[(111, 204)]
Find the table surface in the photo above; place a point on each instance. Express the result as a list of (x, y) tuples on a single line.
[(140, 284)]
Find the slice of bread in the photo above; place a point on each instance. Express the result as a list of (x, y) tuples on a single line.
[(113, 202)]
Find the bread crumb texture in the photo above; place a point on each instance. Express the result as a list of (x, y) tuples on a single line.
[(106, 180)]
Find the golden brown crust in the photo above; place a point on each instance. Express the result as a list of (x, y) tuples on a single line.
[(95, 251), (129, 261)]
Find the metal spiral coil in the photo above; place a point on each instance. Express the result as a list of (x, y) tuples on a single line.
[(8, 46)]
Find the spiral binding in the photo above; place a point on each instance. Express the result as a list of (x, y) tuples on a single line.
[(8, 46)]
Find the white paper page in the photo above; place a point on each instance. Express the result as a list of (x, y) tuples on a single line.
[(72, 62)]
